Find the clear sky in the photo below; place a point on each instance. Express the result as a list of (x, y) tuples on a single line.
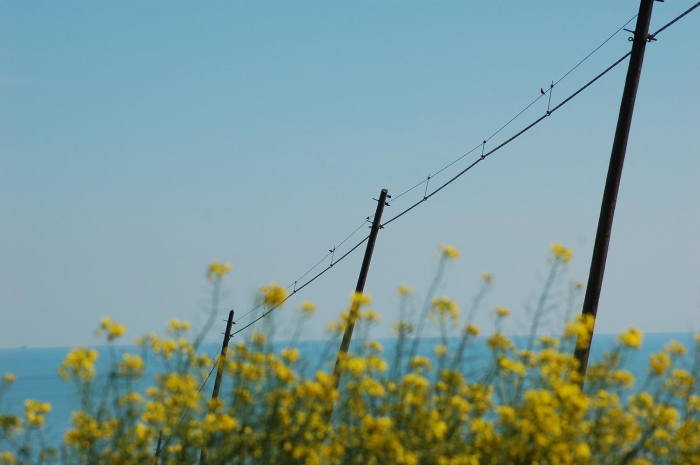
[(141, 140)]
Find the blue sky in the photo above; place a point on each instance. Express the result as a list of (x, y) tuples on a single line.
[(141, 140)]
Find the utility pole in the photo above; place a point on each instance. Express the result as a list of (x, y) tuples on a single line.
[(359, 289), (219, 373), (612, 183)]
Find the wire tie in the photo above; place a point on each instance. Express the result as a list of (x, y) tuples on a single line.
[(427, 182), (650, 37), (551, 89), (295, 287), (483, 146), (332, 251)]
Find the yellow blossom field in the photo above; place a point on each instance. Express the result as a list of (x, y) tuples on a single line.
[(529, 405)]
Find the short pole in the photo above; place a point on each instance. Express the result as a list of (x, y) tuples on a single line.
[(219, 374)]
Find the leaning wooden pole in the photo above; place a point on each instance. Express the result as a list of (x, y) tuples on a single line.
[(359, 289), (612, 183)]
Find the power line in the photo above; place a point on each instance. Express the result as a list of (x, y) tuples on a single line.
[(674, 20), (538, 120), (301, 287), (595, 50), (478, 160), (508, 141), (548, 92), (332, 251)]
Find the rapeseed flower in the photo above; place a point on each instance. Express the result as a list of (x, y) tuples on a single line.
[(501, 311), (113, 330), (273, 295), (218, 270), (561, 253), (631, 338), (449, 252), (307, 307), (446, 306)]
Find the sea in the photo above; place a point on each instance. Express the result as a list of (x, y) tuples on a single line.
[(37, 378)]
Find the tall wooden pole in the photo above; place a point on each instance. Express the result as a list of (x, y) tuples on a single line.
[(219, 374), (359, 289), (612, 183)]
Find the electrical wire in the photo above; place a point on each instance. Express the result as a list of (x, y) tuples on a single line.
[(478, 160), (547, 92), (675, 19), (301, 287), (511, 139)]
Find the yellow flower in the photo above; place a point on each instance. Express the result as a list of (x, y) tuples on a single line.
[(376, 346), (487, 277), (511, 365), (35, 412), (624, 377), (501, 311), (273, 295), (581, 329), (405, 290), (440, 350), (130, 398), (226, 423), (439, 430), (370, 315), (499, 342), (659, 363), (420, 362), (9, 378), (258, 338), (79, 362), (356, 365), (631, 338), (218, 270), (682, 377), (445, 305), (360, 299), (583, 451), (132, 364), (471, 330), (307, 307), (177, 325), (290, 354), (676, 348), (562, 253), (402, 327), (114, 330), (449, 252)]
